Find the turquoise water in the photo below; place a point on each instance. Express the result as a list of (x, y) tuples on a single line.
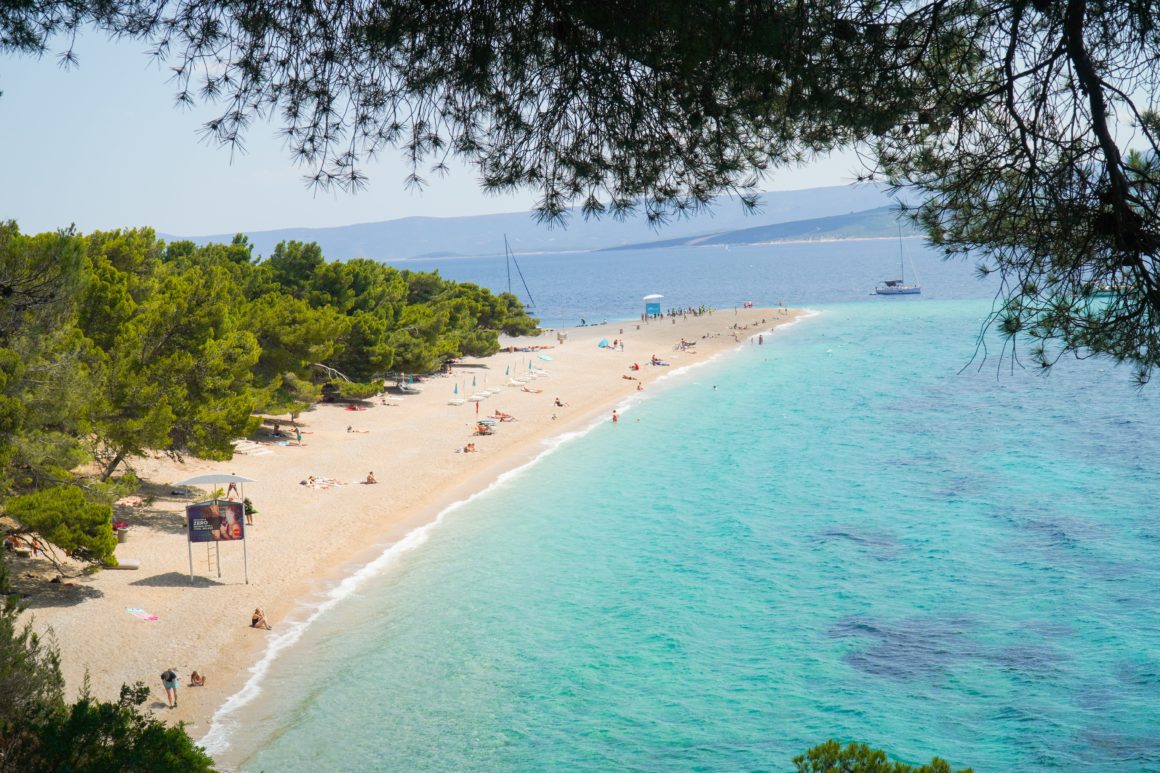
[(834, 535)]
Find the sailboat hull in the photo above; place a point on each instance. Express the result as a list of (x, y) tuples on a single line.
[(899, 290)]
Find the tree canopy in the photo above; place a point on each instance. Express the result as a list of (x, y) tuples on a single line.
[(832, 757), (1025, 130), (115, 344)]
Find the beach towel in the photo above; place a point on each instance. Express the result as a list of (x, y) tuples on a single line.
[(141, 614)]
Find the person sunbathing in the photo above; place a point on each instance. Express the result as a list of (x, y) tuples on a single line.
[(258, 620), (470, 448), (371, 478), (483, 429), (196, 680), (560, 404), (531, 389), (503, 416)]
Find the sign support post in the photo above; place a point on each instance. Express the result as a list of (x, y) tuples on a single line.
[(245, 519)]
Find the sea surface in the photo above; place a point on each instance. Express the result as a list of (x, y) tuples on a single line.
[(860, 530)]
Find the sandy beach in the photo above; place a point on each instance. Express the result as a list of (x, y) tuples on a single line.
[(305, 538)]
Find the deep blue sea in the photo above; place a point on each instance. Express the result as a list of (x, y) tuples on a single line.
[(856, 531)]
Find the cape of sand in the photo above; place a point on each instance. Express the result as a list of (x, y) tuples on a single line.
[(306, 538)]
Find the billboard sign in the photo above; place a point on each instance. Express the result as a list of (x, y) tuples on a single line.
[(217, 520)]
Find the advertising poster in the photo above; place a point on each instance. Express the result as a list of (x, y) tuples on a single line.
[(218, 520)]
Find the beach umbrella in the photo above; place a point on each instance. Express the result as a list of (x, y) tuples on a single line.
[(545, 357), (456, 390), (203, 480), (473, 380), (508, 370)]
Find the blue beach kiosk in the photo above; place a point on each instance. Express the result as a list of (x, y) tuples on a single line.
[(652, 305)]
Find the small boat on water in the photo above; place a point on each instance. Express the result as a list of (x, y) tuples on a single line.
[(898, 286)]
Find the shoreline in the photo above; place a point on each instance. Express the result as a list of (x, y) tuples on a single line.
[(306, 555)]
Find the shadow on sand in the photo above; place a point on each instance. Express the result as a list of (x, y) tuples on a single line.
[(42, 594), (176, 580)]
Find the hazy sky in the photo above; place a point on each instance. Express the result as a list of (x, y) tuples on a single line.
[(102, 146)]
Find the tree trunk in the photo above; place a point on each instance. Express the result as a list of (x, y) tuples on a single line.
[(111, 466)]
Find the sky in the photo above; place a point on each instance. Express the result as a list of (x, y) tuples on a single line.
[(100, 145)]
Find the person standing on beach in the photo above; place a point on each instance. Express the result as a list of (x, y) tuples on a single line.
[(615, 417), (169, 681)]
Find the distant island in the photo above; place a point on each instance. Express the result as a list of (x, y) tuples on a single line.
[(836, 212)]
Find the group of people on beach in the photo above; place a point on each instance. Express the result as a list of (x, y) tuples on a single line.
[(169, 681), (23, 544)]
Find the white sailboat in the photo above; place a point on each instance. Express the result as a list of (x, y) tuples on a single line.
[(898, 286)]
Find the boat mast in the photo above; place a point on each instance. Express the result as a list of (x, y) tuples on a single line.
[(511, 258), (507, 254), (901, 267)]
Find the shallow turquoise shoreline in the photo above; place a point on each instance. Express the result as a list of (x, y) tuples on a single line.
[(836, 534)]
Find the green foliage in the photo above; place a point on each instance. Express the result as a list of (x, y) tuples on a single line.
[(365, 349), (353, 390), (832, 757), (92, 736), (44, 369), (62, 516), (40, 733), (177, 368), (292, 335), (30, 679), (293, 266)]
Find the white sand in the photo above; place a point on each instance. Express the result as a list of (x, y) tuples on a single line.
[(304, 538)]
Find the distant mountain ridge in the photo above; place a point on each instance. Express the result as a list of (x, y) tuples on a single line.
[(880, 222), (790, 213)]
